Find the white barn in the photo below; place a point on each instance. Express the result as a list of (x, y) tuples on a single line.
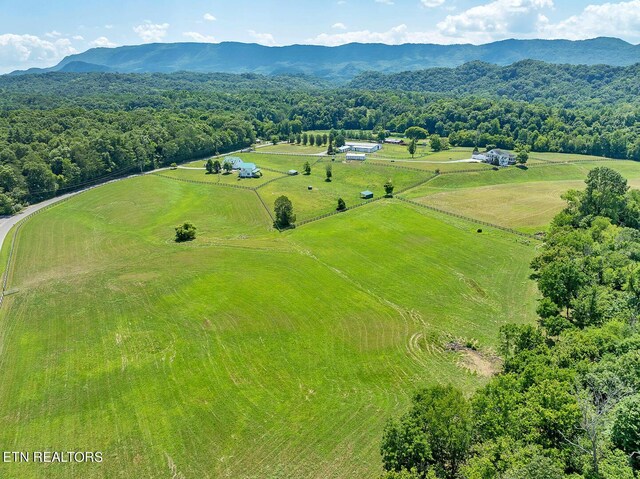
[(356, 156), (363, 147)]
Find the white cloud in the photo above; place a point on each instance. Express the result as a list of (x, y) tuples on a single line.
[(208, 17), (609, 19), (385, 2), (53, 34), (151, 32), (495, 20), (78, 37), (431, 3), (26, 51), (102, 42), (339, 26), (394, 36), (199, 37), (108, 27), (263, 38)]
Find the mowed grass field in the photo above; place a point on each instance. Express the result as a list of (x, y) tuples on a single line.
[(247, 352), (523, 199), (348, 181)]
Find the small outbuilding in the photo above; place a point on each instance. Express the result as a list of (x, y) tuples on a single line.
[(366, 195), (293, 172)]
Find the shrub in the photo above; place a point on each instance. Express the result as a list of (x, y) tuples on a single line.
[(185, 232)]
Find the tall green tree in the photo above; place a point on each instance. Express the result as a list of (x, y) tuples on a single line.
[(283, 209), (412, 147)]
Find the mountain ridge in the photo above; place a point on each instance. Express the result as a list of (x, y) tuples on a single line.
[(339, 62)]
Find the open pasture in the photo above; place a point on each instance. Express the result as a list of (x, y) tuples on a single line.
[(245, 353), (348, 181), (232, 178), (525, 199)]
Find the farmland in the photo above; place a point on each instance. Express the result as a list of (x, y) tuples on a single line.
[(255, 353), (247, 352)]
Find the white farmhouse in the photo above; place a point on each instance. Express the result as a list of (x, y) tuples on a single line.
[(496, 157), (249, 170)]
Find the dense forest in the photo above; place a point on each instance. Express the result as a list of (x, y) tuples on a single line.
[(567, 403), (527, 80), (60, 131)]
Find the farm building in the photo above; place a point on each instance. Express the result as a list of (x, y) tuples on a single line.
[(356, 156), (496, 157), (344, 149), (249, 170), (236, 162), (394, 141), (364, 147), (366, 195)]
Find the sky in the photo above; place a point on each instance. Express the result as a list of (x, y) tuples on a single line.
[(37, 33)]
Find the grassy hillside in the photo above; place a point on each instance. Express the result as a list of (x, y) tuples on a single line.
[(246, 353)]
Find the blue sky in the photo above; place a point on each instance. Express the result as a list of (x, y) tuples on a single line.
[(39, 33)]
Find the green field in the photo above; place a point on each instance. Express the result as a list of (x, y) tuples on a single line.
[(201, 175), (247, 352), (294, 149), (348, 181), (253, 353), (525, 199)]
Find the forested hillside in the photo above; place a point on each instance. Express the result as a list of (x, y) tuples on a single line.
[(61, 130), (344, 61), (528, 80)]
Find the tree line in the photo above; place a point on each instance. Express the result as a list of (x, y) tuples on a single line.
[(567, 403)]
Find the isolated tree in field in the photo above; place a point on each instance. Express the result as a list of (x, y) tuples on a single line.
[(381, 136), (433, 437), (284, 212), (412, 147), (275, 140), (388, 188), (416, 133), (522, 156), (307, 168), (340, 140), (209, 166), (305, 138), (341, 205), (216, 167), (329, 173), (227, 167), (185, 232), (174, 166), (436, 143)]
